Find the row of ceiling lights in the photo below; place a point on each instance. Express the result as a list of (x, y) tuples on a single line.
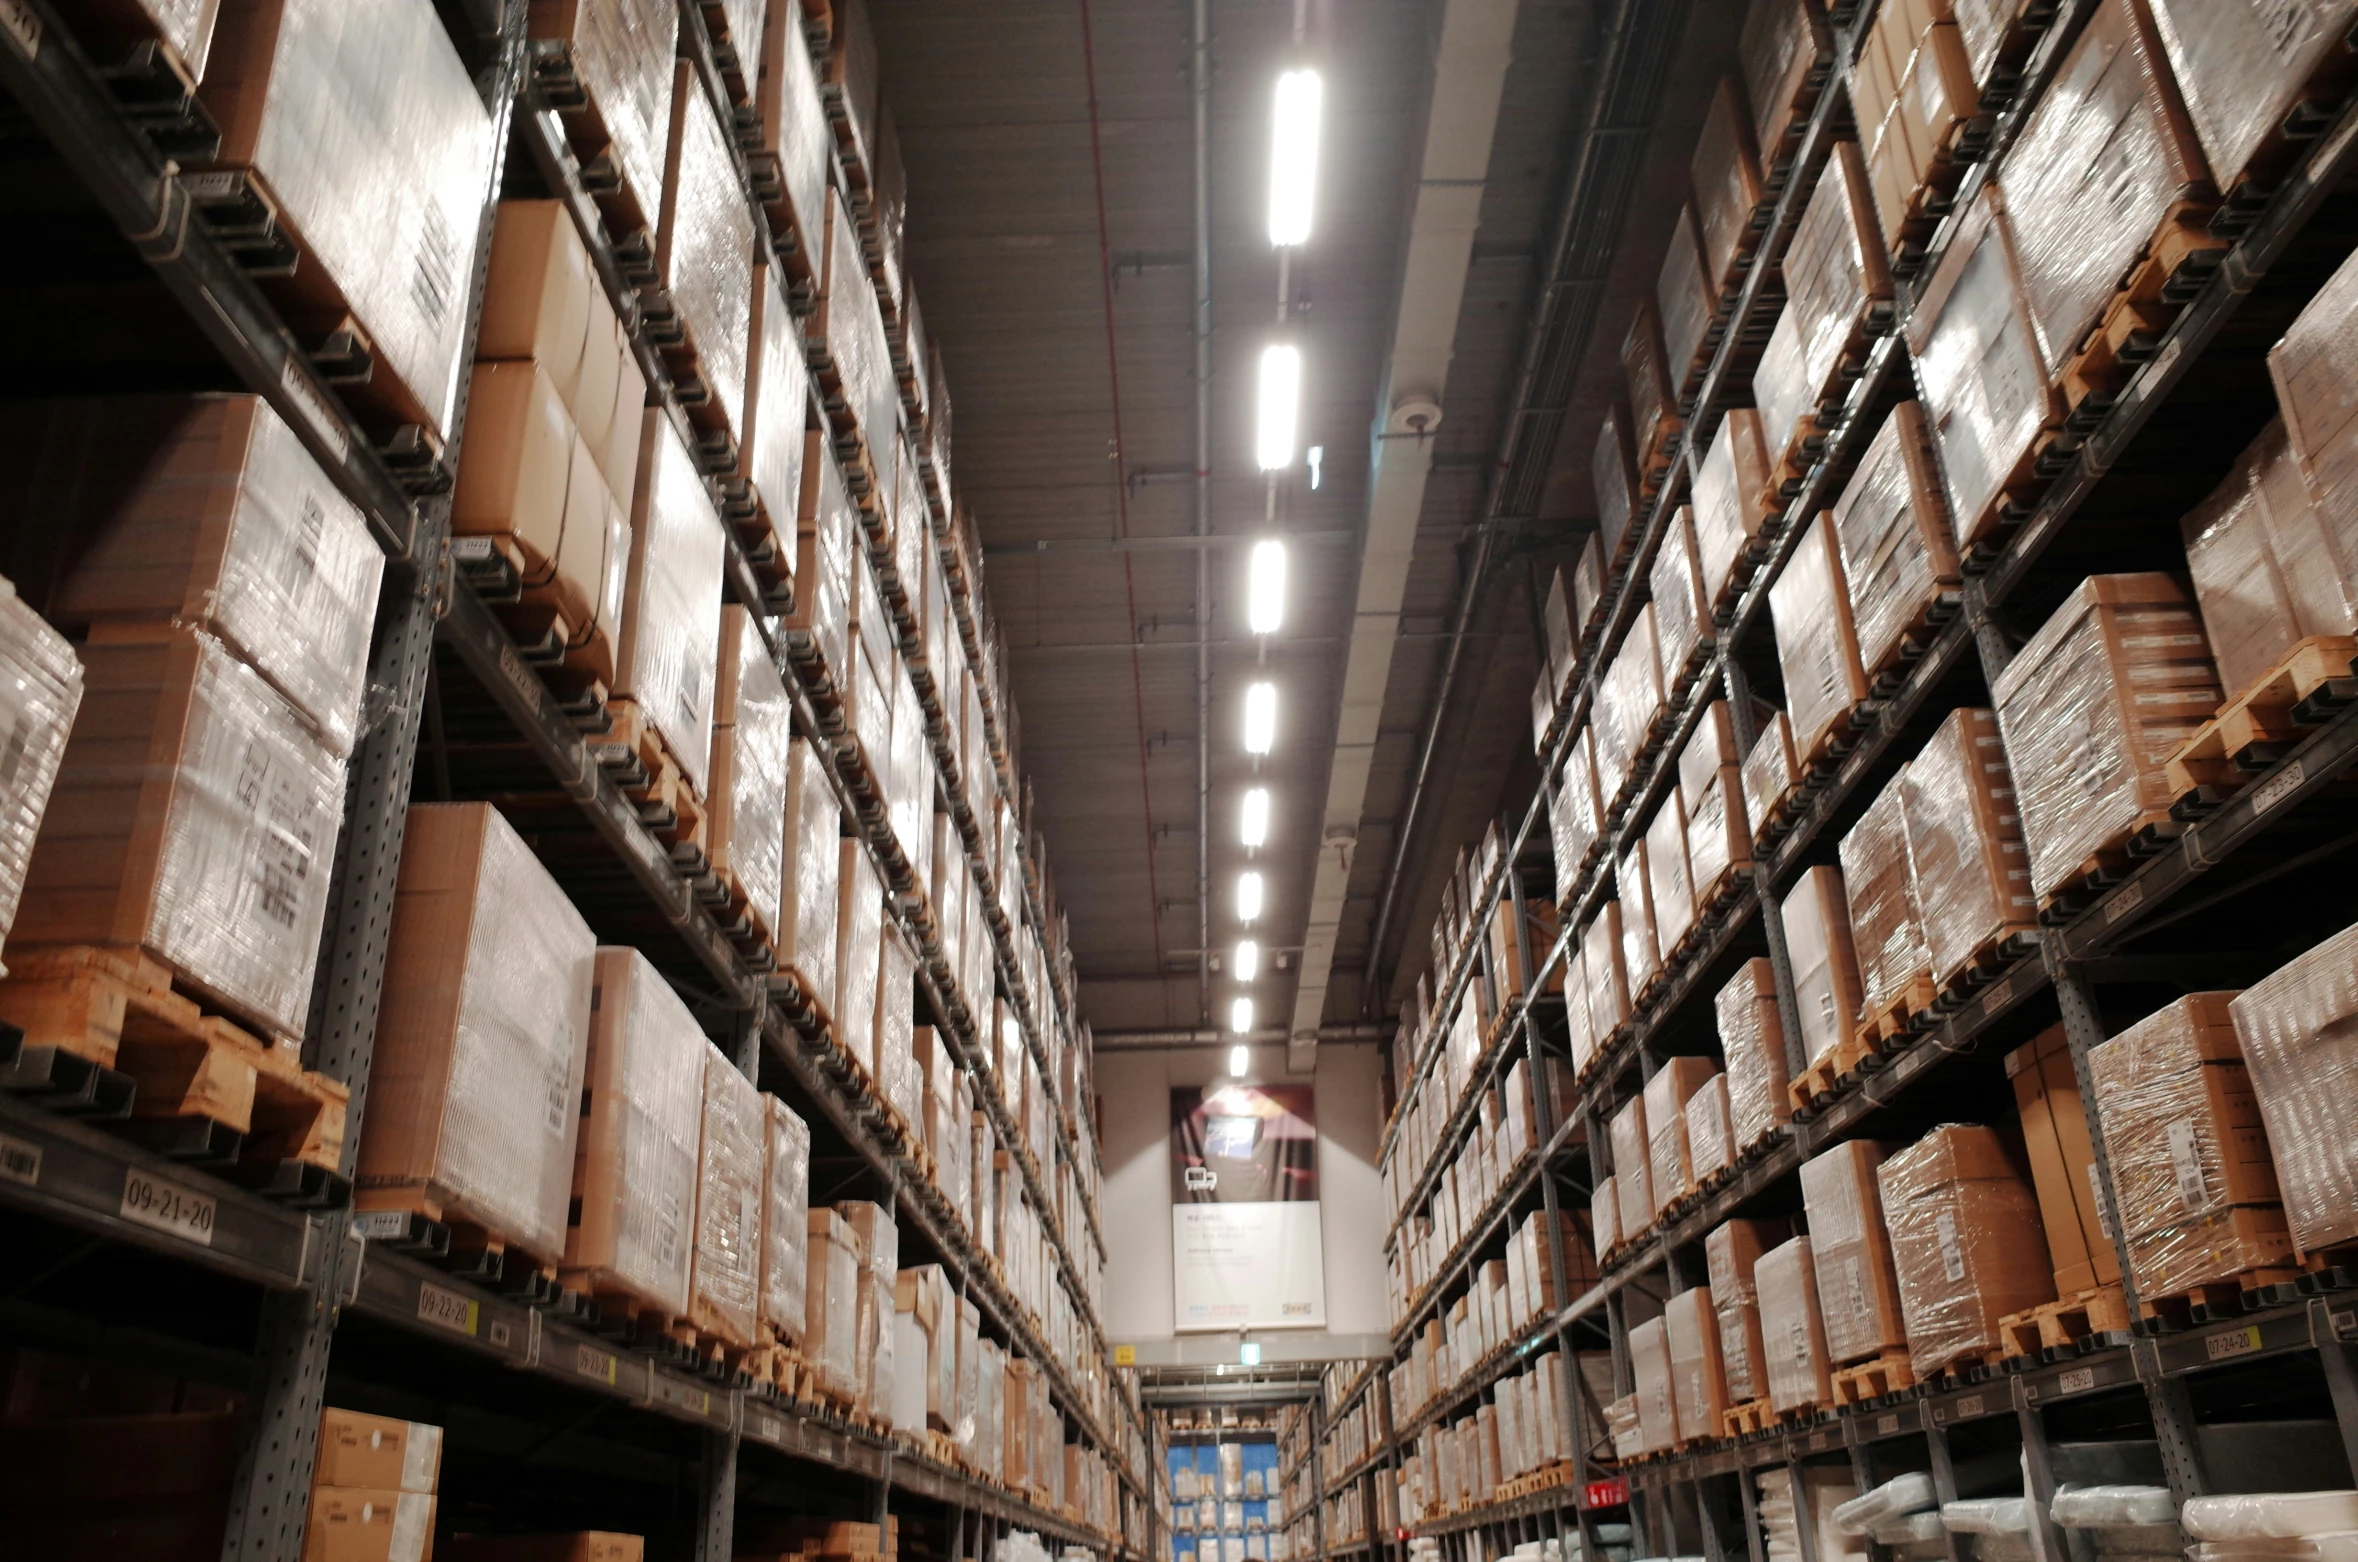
[(1293, 182)]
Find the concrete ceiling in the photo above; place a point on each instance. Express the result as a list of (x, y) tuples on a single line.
[(993, 111)]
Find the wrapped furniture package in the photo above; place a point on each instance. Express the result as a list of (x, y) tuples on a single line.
[(1836, 276), (704, 245), (831, 1327), (1817, 644), (620, 54), (1752, 1039), (1957, 1213), (1633, 1168), (40, 690), (2269, 569), (1772, 772), (732, 1165), (1891, 525), (667, 663), (2063, 1160), (1726, 174), (784, 1305), (1732, 1253), (1886, 922), (1698, 1382), (1816, 915), (1669, 1167), (1731, 498), (1965, 848), (1858, 1297), (2299, 1029), (1793, 1337), (2243, 67), (752, 750), (1711, 798)]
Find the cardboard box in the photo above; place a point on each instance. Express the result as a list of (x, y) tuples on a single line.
[(1649, 381), (1607, 984), (784, 1306), (777, 411), (1726, 173), (752, 751), (40, 692), (1628, 698), (1783, 50), (1971, 872), (155, 834), (2091, 710), (809, 901), (1956, 1211), (632, 1227), (666, 661), (1858, 1296), (731, 1168), (543, 302), (1897, 546), (621, 53), (1752, 1040), (831, 1330), (1731, 1253), (1772, 772), (1732, 498), (108, 30), (350, 1524), (377, 1452), (704, 244), (2270, 566), (1698, 1381), (1613, 469), (1669, 1166), (1707, 1128), (1685, 297), (2063, 1165), (365, 127), (1826, 989), (1573, 813), (1817, 643), (475, 1081), (1649, 1365), (583, 1546), (1886, 923), (1633, 1168), (880, 1242), (1793, 1336), (848, 323), (1640, 950)]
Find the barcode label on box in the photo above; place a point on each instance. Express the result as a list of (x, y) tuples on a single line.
[(447, 1309), (169, 1207), (19, 1162)]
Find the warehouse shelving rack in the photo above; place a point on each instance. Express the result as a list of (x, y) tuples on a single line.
[(253, 1290), (2175, 1390)]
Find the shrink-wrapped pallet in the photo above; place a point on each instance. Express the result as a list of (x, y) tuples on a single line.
[(880, 1245), (1792, 1335), (543, 301), (2315, 370), (1682, 614), (1965, 851), (2247, 67), (2269, 568), (1711, 799), (1648, 380), (859, 919), (1913, 93), (752, 751), (1826, 991), (204, 511), (376, 151), (1672, 891), (1730, 1254), (194, 814), (2299, 1030), (1731, 499), (850, 327), (1726, 173), (896, 1061), (784, 1308), (1785, 52), (2091, 710), (1837, 282), (632, 1227), (2193, 1187), (1613, 468), (2055, 1135), (1891, 527), (1698, 1376), (704, 247), (771, 448), (40, 690), (2106, 154), (1684, 296), (1886, 922), (1670, 1172), (1633, 1181), (666, 663), (831, 1326), (1817, 644), (1977, 363), (619, 54), (1708, 1146), (1641, 954), (1572, 810), (1958, 1214), (1649, 1365), (474, 1085), (1858, 1296), (1752, 1040), (1555, 673), (1628, 698), (1608, 984), (725, 1284), (811, 863), (1771, 774), (1604, 1216), (824, 550)]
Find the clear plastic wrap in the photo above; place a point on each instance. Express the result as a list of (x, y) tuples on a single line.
[(474, 1085), (1628, 698), (1816, 915), (1836, 276), (1726, 173), (1672, 892), (853, 330), (1988, 1516), (1641, 951), (826, 525), (194, 812), (1793, 1337), (1711, 797), (785, 1226), (1817, 644), (219, 519), (2270, 568), (1604, 1216), (1783, 48), (858, 925), (1886, 923), (752, 747), (2299, 1030), (634, 1170), (1685, 297), (1896, 1498), (1607, 985), (365, 125), (621, 53), (725, 1283), (2243, 66), (1633, 1182), (2193, 1187), (777, 397), (1647, 378), (812, 857), (896, 1061), (1771, 772), (794, 128), (1669, 1168), (1572, 809), (1752, 1040), (2106, 153), (667, 662), (1977, 362), (1649, 1366), (1562, 638), (1782, 392), (40, 690), (1858, 1297), (1731, 1253), (1892, 528), (880, 1244), (1707, 1128), (1698, 1384), (704, 246), (1957, 1212), (2270, 1515), (1613, 468), (1911, 104), (2115, 1507), (2091, 710), (831, 1327), (1682, 618), (1965, 848), (1731, 496)]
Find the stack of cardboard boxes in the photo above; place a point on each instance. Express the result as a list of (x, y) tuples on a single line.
[(372, 1490)]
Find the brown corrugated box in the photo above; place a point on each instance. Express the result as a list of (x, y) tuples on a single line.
[(377, 1452), (1685, 297), (1752, 1039), (1858, 1296), (1817, 644), (1816, 917), (1771, 772), (1886, 924), (1669, 1167), (2296, 1029), (543, 302), (1793, 1336), (1632, 1169), (1783, 49), (1956, 1211), (1732, 500), (2270, 566), (634, 1166), (666, 656), (583, 1546), (351, 1524), (1698, 1380), (1726, 173), (2063, 1163), (1965, 848)]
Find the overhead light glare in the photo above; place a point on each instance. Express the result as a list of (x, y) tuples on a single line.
[(1248, 897), (1240, 1058), (1280, 406), (1248, 959), (1253, 823), (1260, 717), (1293, 155), (1265, 588)]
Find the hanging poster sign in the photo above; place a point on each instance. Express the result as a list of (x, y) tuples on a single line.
[(1246, 1248)]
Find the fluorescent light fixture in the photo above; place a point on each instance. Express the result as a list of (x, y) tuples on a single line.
[(1248, 896), (1248, 959), (1253, 821), (1293, 156), (1265, 587), (1280, 406), (1317, 458), (1240, 1059), (1249, 1353), (1240, 1020), (1260, 717)]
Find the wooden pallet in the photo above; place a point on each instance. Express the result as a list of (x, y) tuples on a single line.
[(2106, 866), (1657, 449), (2245, 1291), (198, 1075), (469, 1248), (634, 757), (1530, 1484), (627, 215), (1897, 1017), (1990, 959), (2251, 731), (1756, 1415), (2330, 1269), (2070, 1324), (2182, 255), (1864, 1382), (713, 437)]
